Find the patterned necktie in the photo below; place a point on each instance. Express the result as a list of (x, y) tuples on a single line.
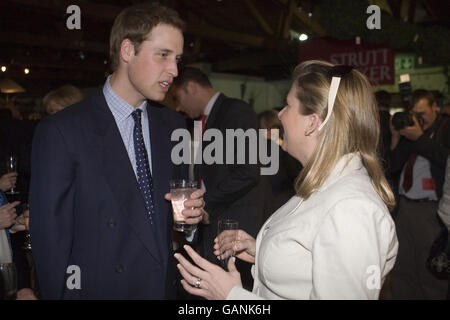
[(144, 175)]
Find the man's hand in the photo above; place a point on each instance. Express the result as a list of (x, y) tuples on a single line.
[(412, 132), (26, 294), (8, 181), (196, 212), (8, 214)]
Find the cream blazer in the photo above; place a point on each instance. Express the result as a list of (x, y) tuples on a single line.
[(338, 244)]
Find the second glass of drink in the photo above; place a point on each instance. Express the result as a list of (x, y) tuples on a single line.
[(180, 191), (230, 227)]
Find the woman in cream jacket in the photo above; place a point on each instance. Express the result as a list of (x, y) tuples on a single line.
[(335, 239)]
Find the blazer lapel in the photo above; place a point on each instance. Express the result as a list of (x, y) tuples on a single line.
[(161, 164), (119, 174)]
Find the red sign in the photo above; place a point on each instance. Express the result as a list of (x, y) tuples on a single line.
[(374, 60)]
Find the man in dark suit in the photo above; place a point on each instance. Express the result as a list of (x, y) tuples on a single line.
[(100, 226), (232, 191)]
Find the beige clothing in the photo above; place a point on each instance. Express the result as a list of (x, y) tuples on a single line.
[(5, 251), (338, 244)]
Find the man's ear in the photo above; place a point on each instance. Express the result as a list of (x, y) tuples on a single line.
[(191, 87), (313, 123), (126, 50), (434, 107)]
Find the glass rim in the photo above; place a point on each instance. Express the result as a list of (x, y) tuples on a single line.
[(182, 183), (228, 221)]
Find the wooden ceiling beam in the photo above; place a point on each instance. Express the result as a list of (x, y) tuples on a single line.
[(288, 20), (303, 17), (258, 16), (209, 31)]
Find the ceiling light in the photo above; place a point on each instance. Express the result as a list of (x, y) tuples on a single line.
[(26, 71), (303, 37), (3, 69)]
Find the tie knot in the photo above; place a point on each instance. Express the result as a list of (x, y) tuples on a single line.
[(137, 115)]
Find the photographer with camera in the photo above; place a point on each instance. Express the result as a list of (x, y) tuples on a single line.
[(420, 146)]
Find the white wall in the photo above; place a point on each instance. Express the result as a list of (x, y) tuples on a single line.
[(266, 94)]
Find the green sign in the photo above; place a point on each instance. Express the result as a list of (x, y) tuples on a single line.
[(404, 62)]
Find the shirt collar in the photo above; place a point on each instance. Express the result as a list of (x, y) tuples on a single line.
[(210, 104), (119, 107)]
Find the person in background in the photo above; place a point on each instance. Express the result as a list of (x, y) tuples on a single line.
[(10, 223), (61, 98), (328, 240), (233, 191), (419, 153), (282, 183)]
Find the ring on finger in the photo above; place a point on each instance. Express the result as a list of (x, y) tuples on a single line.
[(197, 283)]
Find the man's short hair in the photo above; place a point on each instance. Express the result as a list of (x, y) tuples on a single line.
[(420, 94), (135, 23), (192, 74)]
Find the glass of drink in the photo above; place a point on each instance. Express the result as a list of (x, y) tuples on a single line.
[(26, 221), (8, 281), (11, 166), (180, 191), (230, 227)]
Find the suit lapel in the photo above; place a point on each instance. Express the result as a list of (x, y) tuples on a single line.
[(120, 176), (161, 164)]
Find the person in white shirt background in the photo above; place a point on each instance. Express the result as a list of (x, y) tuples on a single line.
[(335, 239)]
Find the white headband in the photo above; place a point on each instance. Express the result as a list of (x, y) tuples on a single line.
[(331, 97)]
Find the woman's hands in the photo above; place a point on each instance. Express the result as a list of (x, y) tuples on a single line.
[(242, 244), (8, 214), (206, 279), (8, 181)]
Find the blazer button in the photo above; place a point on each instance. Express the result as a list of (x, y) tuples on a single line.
[(112, 223), (119, 269)]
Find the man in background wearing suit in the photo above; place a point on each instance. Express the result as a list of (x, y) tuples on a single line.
[(100, 226), (232, 191)]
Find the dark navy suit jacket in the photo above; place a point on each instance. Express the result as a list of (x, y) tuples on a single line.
[(86, 208)]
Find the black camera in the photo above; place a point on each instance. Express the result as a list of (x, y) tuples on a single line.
[(401, 120)]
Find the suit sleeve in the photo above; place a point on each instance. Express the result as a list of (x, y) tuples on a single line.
[(240, 178), (51, 208), (433, 150), (354, 246)]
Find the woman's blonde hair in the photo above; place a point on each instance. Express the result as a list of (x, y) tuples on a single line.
[(352, 127)]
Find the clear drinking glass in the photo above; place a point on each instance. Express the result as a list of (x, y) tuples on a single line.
[(180, 191), (8, 281), (11, 166), (231, 227)]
